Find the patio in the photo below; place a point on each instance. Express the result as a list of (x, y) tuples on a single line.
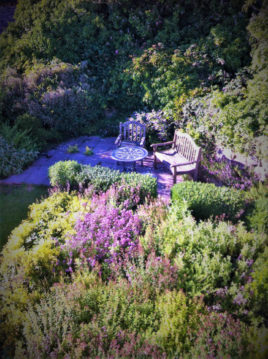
[(37, 173)]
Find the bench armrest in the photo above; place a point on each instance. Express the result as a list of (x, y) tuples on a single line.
[(183, 164), (155, 145), (118, 140)]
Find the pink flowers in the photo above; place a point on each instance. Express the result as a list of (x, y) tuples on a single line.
[(105, 235)]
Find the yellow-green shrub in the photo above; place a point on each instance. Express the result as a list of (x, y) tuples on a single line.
[(30, 255), (178, 317)]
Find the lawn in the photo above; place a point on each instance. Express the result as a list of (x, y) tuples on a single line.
[(14, 203)]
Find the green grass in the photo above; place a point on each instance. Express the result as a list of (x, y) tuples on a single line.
[(14, 203)]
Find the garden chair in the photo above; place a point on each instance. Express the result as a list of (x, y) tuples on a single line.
[(131, 133)]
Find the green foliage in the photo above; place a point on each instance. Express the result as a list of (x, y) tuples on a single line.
[(213, 259), (88, 151), (12, 160), (18, 138), (258, 288), (178, 317), (144, 56), (72, 149), (147, 183), (257, 216), (206, 200), (101, 178), (64, 173), (48, 323)]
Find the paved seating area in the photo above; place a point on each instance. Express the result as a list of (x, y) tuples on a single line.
[(37, 173)]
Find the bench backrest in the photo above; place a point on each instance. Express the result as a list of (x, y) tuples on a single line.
[(132, 131), (185, 145)]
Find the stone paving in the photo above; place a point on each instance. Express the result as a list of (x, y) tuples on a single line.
[(37, 173)]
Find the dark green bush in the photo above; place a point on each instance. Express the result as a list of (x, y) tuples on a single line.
[(257, 214), (104, 60), (70, 174), (12, 160), (206, 200)]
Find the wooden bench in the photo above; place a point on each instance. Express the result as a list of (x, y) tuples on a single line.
[(183, 157)]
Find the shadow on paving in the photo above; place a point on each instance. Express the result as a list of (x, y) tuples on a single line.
[(37, 173)]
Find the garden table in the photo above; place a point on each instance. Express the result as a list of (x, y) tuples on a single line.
[(129, 154)]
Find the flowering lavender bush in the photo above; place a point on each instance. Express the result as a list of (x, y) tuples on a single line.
[(104, 235), (224, 172)]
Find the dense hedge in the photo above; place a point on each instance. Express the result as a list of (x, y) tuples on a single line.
[(72, 175), (206, 200)]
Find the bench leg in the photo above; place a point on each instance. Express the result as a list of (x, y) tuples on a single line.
[(195, 174), (155, 164), (174, 177)]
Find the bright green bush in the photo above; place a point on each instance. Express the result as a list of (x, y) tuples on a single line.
[(206, 200), (178, 317), (257, 290), (257, 216), (213, 259), (63, 173)]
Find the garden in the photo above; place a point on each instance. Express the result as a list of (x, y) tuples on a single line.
[(99, 265)]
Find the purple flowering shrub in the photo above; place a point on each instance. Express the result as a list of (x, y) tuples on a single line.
[(105, 234), (124, 345), (151, 273), (219, 336), (120, 195), (223, 172)]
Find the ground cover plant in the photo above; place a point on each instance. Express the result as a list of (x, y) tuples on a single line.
[(110, 274)]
